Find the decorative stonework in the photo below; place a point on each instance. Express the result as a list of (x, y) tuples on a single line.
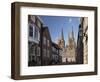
[(69, 51)]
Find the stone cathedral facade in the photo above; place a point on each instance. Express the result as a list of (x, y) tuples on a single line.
[(68, 52)]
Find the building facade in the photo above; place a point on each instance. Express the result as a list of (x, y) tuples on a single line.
[(70, 49), (85, 40), (82, 41), (46, 47), (34, 32), (40, 52), (79, 57), (56, 54), (68, 52)]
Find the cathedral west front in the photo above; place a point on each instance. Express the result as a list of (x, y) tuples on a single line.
[(68, 52)]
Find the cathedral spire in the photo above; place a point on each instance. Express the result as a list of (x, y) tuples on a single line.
[(72, 33), (62, 35), (61, 40)]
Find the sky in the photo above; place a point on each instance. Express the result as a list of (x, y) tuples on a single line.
[(57, 23)]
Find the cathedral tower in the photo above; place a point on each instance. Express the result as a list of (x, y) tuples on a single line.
[(71, 39), (70, 49), (61, 41)]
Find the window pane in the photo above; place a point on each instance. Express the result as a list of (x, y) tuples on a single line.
[(31, 31), (36, 33)]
